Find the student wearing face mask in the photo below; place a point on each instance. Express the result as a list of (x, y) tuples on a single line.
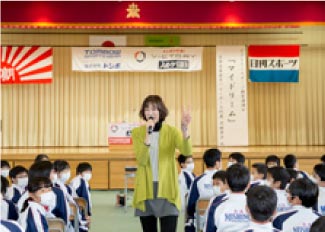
[(318, 178), (62, 169), (40, 197), (278, 178), (80, 186), (5, 167), (57, 207), (8, 209), (236, 158), (258, 174), (186, 176), (19, 178)]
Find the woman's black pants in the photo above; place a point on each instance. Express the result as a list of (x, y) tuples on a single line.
[(167, 224)]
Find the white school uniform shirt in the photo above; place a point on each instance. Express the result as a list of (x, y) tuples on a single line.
[(254, 227), (299, 218), (283, 205), (75, 184), (11, 191), (230, 215), (321, 201), (37, 210), (183, 186)]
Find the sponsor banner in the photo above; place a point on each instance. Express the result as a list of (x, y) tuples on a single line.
[(120, 133), (107, 40), (26, 64), (232, 113), (137, 59), (275, 63)]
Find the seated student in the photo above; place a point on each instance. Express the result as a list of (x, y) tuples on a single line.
[(62, 168), (19, 179), (229, 213), (8, 209), (186, 176), (10, 226), (278, 178), (302, 194), (202, 187), (290, 162), (33, 213), (59, 206), (258, 174), (236, 158), (5, 167), (219, 183), (261, 206), (318, 225), (41, 157), (272, 161), (319, 179), (80, 185)]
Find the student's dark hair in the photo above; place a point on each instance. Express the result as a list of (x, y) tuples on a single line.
[(154, 100), (306, 190), (84, 166), (323, 158), (34, 185), (319, 169), (60, 165), (40, 169), (211, 156), (4, 185), (318, 225), (221, 175), (239, 157), (237, 176), (292, 173), (262, 202), (41, 157), (261, 169), (280, 174), (16, 171), (290, 161), (182, 158), (272, 158), (4, 163)]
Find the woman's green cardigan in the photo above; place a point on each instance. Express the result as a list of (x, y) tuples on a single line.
[(170, 138)]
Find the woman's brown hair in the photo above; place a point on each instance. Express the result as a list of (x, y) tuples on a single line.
[(154, 100)]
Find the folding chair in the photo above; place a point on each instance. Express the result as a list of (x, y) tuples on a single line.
[(201, 207), (74, 216), (83, 205), (129, 173), (56, 225)]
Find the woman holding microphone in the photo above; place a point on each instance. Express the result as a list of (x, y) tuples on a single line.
[(156, 189)]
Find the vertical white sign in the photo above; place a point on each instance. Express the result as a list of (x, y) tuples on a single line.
[(232, 114)]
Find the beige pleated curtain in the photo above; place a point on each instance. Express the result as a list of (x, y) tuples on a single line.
[(76, 108)]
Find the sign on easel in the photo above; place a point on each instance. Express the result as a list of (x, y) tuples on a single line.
[(120, 133)]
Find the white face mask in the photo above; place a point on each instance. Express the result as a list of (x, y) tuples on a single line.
[(190, 167), (230, 163), (216, 190), (22, 182), (65, 177), (87, 176), (5, 173), (48, 199), (55, 178)]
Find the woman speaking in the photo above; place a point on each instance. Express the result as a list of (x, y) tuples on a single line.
[(156, 189)]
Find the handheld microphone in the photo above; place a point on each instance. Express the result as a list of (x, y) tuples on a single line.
[(150, 128)]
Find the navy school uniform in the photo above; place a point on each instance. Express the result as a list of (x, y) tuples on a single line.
[(8, 210), (202, 188), (33, 219), (15, 193), (210, 224), (185, 180), (229, 214), (80, 188), (9, 226), (299, 218), (256, 183)]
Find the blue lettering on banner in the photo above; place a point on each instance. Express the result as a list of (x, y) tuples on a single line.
[(303, 228), (322, 209), (237, 216)]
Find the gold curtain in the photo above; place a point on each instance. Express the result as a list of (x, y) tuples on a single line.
[(76, 108)]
